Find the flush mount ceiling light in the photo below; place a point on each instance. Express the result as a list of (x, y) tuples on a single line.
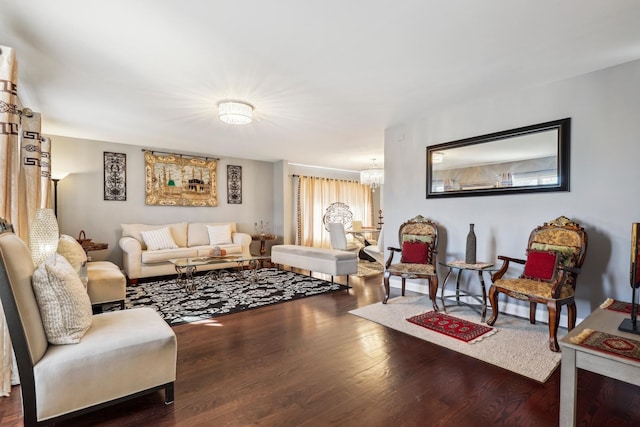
[(373, 176), (437, 157), (235, 112)]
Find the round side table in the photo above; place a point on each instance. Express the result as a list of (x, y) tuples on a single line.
[(460, 266)]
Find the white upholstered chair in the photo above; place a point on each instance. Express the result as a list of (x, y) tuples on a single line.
[(377, 251), (122, 355), (339, 238)]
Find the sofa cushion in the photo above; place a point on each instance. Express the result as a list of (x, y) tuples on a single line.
[(178, 232), (205, 251), (64, 305), (164, 255), (198, 235), (219, 234), (158, 239)]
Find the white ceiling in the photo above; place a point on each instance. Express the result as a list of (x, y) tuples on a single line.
[(326, 76)]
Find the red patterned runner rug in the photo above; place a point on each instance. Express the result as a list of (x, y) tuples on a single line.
[(608, 343), (615, 305), (454, 327)]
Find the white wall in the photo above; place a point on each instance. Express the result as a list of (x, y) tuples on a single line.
[(605, 146), (81, 204)]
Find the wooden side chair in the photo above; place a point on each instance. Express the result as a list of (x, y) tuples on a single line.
[(418, 239), (555, 254)]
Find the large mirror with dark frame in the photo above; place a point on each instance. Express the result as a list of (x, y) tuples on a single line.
[(524, 160)]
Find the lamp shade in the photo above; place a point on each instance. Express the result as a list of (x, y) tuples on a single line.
[(43, 235), (235, 112)]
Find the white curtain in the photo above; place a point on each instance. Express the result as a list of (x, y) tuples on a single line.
[(314, 195), (9, 166), (25, 181)]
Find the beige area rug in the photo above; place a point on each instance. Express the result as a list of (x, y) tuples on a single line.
[(368, 268), (517, 346)]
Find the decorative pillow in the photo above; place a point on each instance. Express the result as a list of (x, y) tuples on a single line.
[(158, 239), (415, 252), (568, 254), (69, 248), (541, 265), (64, 304), (219, 234), (417, 237)]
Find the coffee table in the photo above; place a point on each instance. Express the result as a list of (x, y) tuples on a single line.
[(186, 267)]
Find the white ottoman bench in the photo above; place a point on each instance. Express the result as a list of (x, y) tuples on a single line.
[(320, 260)]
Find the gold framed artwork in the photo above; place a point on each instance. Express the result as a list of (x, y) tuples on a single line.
[(177, 180)]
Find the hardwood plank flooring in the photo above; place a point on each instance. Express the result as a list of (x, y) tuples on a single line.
[(311, 363)]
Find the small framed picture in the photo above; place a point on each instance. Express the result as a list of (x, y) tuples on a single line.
[(115, 176), (234, 185)]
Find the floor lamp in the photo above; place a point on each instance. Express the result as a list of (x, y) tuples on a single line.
[(55, 191), (55, 195)]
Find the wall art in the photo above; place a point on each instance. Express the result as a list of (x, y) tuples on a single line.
[(180, 180), (234, 185), (115, 176)]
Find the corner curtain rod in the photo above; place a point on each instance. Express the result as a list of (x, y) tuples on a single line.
[(328, 179), (144, 150)]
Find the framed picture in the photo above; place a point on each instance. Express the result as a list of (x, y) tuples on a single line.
[(177, 180), (115, 176), (234, 185)]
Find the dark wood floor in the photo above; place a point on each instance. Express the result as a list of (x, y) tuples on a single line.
[(311, 363)]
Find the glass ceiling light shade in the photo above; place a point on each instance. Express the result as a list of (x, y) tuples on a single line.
[(43, 235), (235, 112), (373, 176)]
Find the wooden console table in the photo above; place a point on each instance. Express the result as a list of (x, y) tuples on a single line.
[(575, 356)]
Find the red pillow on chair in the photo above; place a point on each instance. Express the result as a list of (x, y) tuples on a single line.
[(541, 265), (415, 252)]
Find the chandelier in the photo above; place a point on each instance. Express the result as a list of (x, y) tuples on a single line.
[(235, 112), (373, 176)]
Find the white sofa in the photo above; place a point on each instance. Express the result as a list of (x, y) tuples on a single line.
[(191, 239)]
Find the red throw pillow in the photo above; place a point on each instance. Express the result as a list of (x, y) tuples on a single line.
[(540, 265), (415, 252)]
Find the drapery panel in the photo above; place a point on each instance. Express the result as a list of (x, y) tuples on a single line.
[(25, 181), (314, 195), (9, 167)]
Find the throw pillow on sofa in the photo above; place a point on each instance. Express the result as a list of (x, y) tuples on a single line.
[(158, 239), (219, 234), (63, 302)]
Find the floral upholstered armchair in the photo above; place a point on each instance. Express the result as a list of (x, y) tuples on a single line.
[(418, 238), (555, 253)]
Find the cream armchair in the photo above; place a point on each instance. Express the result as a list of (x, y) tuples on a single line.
[(122, 354)]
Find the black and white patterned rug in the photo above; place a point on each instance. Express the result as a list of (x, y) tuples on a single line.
[(224, 294)]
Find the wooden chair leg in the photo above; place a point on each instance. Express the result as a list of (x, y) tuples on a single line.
[(493, 299), (554, 320), (404, 281), (386, 287), (571, 313), (532, 312), (433, 291)]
